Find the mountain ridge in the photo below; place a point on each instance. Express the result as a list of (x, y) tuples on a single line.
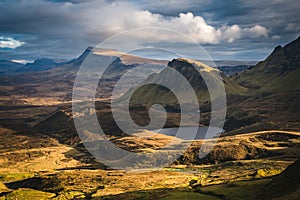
[(193, 71), (278, 72)]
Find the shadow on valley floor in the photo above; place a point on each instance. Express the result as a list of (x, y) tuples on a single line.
[(248, 190)]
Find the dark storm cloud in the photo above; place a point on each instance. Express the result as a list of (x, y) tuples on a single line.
[(277, 15), (281, 17), (50, 28), (57, 28), (37, 23), (230, 11)]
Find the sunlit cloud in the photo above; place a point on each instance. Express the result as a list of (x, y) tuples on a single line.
[(8, 42), (195, 27), (21, 61)]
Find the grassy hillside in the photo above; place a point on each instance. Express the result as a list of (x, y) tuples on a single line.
[(195, 72), (279, 72), (284, 186)]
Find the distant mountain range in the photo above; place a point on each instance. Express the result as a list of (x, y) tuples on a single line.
[(10, 68), (41, 64), (255, 97), (230, 67)]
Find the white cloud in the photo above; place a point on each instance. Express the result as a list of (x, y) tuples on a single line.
[(257, 31), (193, 26), (232, 33), (99, 19), (8, 42), (196, 27), (21, 61)]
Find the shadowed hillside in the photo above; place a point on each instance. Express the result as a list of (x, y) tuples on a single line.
[(285, 185)]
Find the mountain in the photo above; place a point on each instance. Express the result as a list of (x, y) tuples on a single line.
[(73, 65), (120, 62), (248, 108), (46, 71), (8, 68), (127, 58), (191, 70), (228, 63), (41, 64), (273, 87), (230, 67), (231, 70), (278, 72)]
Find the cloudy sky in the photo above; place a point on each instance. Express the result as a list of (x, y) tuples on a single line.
[(231, 30)]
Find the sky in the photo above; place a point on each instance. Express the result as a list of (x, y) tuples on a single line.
[(227, 30)]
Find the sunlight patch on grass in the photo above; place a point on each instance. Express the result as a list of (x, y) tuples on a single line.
[(188, 196), (15, 177)]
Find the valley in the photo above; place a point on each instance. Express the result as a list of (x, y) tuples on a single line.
[(42, 156), (46, 168)]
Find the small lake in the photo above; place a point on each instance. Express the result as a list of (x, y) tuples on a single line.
[(191, 132)]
